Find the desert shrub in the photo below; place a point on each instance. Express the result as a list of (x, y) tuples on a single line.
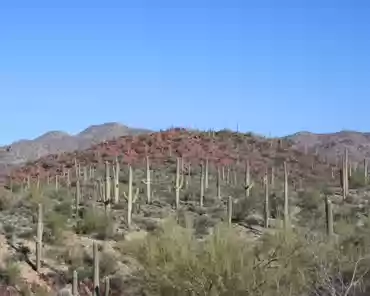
[(64, 208), (312, 209), (174, 262), (7, 200), (357, 180), (10, 273), (55, 225), (247, 206), (96, 222)]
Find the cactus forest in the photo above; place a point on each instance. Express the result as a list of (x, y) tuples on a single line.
[(183, 213)]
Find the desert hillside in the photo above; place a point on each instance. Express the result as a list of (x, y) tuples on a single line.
[(147, 214), (53, 142)]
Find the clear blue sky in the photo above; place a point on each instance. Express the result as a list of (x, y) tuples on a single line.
[(271, 68)]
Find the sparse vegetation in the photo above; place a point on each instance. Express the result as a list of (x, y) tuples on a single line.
[(224, 214)]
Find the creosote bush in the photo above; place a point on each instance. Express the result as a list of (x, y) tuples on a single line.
[(95, 221), (227, 262)]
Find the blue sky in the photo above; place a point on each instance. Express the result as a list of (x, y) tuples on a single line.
[(267, 67)]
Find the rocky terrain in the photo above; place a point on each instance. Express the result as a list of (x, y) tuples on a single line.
[(332, 145), (57, 142), (184, 213)]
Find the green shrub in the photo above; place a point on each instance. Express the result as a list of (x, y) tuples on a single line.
[(227, 262), (96, 222)]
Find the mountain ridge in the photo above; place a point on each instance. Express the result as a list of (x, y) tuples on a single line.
[(328, 145), (56, 141)]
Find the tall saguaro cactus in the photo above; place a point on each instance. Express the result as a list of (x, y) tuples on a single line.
[(39, 232), (107, 183), (129, 197), (247, 181), (218, 180), (147, 182), (206, 174), (286, 198), (96, 269), (75, 283), (229, 210), (179, 182), (202, 184), (329, 218), (344, 175), (116, 182), (365, 171), (267, 203), (78, 196)]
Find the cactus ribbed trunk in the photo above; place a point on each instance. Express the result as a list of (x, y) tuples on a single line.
[(148, 182), (365, 171), (116, 182), (202, 184), (96, 269), (39, 238), (56, 183), (229, 210), (247, 181), (345, 188), (178, 182), (286, 198), (206, 175), (329, 218), (266, 206), (272, 178), (107, 286), (78, 197), (107, 183), (75, 283), (129, 197), (218, 183)]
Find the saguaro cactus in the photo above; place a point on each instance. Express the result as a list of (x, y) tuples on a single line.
[(267, 206), (116, 172), (56, 183), (247, 180), (78, 197), (147, 182), (75, 283), (39, 232), (106, 286), (68, 176), (286, 198), (344, 175), (273, 178), (129, 197), (218, 181), (202, 184), (365, 171), (206, 174), (107, 183), (329, 218), (229, 210), (85, 175), (188, 176), (179, 182), (96, 269)]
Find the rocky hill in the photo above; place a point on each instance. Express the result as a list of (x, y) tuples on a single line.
[(54, 142), (332, 145), (220, 148), (143, 233)]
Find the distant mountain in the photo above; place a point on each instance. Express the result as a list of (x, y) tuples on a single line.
[(332, 145), (59, 141), (328, 145)]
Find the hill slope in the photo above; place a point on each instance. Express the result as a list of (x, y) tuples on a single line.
[(332, 145), (221, 148), (54, 142)]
